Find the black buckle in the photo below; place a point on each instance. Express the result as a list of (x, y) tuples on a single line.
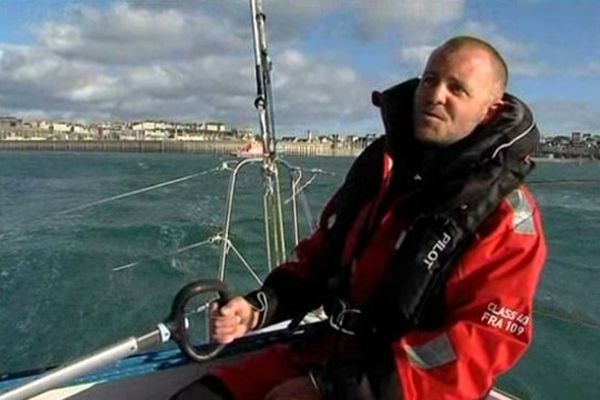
[(343, 318)]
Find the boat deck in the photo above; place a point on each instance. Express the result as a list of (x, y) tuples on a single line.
[(158, 375)]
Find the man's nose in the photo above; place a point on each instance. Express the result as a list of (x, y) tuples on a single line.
[(437, 94)]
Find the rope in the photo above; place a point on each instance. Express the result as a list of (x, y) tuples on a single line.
[(314, 172), (211, 240), (563, 181), (138, 191), (223, 167), (202, 308), (180, 250), (244, 262), (300, 189), (577, 321)]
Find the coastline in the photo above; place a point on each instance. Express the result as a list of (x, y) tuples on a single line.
[(177, 146), (209, 147), (562, 160)]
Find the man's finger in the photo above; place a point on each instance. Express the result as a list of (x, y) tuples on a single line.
[(224, 331), (223, 322)]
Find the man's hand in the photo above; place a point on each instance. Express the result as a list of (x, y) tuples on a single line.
[(232, 320)]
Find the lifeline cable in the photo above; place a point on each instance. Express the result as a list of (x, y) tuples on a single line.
[(223, 167), (170, 253)]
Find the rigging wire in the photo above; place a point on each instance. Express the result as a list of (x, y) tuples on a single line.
[(589, 323), (138, 191), (226, 166), (562, 181), (300, 189), (315, 171), (577, 321), (210, 240), (248, 267), (24, 224)]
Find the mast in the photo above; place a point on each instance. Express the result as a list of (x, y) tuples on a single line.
[(262, 65), (272, 204), (270, 163)]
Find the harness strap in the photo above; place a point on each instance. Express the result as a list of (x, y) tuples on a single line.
[(343, 318)]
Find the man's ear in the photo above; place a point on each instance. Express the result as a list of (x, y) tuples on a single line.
[(493, 110)]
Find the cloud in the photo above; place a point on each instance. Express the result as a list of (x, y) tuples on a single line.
[(415, 57), (289, 19), (286, 19), (591, 69), (192, 89), (520, 55), (414, 20), (305, 89), (126, 35), (32, 75), (561, 117), (194, 61), (129, 62)]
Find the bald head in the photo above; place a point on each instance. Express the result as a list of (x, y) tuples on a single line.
[(461, 87), (499, 66)]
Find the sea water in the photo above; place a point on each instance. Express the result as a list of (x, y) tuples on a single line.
[(93, 249)]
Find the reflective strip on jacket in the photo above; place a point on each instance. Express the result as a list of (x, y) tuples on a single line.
[(488, 306)]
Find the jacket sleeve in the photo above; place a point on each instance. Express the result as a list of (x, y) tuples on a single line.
[(298, 285), (489, 298), (301, 284)]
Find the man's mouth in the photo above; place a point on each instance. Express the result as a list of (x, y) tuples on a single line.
[(433, 115)]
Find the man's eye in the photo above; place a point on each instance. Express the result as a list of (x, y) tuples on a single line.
[(429, 80), (459, 90)]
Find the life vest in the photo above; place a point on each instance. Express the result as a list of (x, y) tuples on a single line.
[(457, 188), (447, 193)]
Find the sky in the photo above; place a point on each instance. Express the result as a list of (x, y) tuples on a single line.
[(192, 60)]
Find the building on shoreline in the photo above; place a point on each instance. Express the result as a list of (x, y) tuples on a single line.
[(16, 129), (226, 138), (578, 145), (13, 129)]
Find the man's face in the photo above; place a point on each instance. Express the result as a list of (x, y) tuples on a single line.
[(457, 92)]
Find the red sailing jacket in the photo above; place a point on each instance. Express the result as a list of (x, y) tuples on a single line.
[(488, 299)]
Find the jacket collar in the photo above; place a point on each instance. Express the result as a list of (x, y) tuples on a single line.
[(512, 134)]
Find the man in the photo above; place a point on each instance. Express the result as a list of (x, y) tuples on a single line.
[(426, 259)]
